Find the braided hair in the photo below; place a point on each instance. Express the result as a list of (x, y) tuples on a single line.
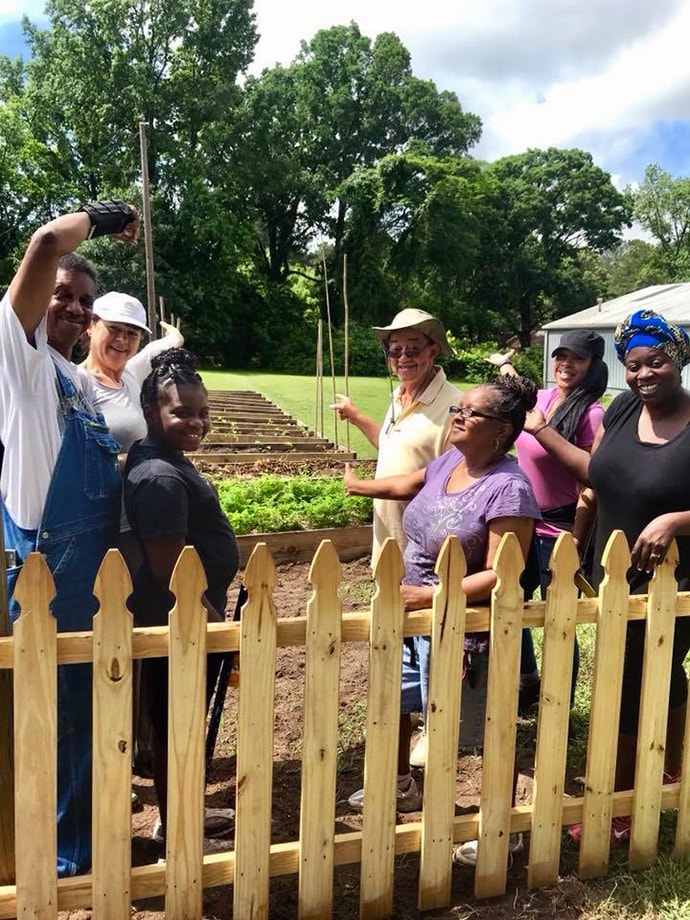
[(591, 388), (512, 398), (175, 366)]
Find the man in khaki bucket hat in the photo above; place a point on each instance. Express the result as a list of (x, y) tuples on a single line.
[(415, 428)]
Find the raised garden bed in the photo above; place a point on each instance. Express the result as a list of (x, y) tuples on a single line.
[(300, 545)]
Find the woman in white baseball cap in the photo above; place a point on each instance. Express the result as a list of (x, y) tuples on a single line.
[(116, 364)]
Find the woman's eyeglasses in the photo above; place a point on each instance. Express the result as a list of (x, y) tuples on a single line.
[(467, 412), (412, 351)]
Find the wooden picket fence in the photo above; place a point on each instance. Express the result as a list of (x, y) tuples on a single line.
[(35, 650)]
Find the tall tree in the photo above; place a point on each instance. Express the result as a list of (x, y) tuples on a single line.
[(413, 235), (104, 66), (550, 205), (662, 206), (344, 103)]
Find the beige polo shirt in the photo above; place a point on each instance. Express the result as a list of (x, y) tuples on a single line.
[(411, 441)]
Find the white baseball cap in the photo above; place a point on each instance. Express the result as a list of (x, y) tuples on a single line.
[(115, 307)]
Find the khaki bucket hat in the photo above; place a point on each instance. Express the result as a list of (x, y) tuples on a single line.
[(417, 319)]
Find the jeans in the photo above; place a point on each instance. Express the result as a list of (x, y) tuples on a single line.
[(79, 524), (538, 575)]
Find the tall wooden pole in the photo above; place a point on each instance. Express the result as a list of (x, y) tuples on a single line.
[(346, 358), (330, 344), (6, 741), (146, 221)]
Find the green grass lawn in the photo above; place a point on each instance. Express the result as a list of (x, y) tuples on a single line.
[(297, 396)]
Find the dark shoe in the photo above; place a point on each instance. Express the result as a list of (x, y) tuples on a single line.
[(528, 697)]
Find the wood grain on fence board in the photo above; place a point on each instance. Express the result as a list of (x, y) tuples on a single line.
[(554, 707), (501, 720), (320, 745), (602, 743), (186, 728), (651, 737), (35, 741), (442, 728), (381, 754), (255, 739), (112, 741)]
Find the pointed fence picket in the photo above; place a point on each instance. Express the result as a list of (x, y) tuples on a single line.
[(34, 651)]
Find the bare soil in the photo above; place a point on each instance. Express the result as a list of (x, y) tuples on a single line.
[(292, 592)]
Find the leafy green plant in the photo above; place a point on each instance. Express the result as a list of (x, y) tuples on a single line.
[(272, 503)]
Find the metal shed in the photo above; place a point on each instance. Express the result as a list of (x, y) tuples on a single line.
[(671, 300)]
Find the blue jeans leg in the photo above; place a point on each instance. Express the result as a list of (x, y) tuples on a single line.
[(542, 547)]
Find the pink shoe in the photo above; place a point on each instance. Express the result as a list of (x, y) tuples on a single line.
[(620, 831)]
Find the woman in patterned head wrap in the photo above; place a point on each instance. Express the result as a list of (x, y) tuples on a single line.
[(647, 329), (639, 470)]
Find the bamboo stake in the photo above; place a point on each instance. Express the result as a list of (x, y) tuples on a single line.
[(321, 425), (317, 410), (346, 359), (330, 344), (6, 741), (161, 309), (146, 222)]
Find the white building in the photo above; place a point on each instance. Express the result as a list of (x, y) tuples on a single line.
[(671, 300)]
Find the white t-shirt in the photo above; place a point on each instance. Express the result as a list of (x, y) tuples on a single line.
[(30, 417)]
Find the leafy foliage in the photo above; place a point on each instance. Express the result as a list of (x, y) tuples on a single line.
[(274, 503), (345, 152)]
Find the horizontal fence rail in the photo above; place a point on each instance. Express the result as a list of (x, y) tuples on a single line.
[(34, 650)]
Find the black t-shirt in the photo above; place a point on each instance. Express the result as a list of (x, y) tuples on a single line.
[(636, 481), (165, 497)]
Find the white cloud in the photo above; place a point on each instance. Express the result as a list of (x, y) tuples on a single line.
[(15, 9)]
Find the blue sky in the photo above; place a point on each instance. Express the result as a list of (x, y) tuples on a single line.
[(610, 76)]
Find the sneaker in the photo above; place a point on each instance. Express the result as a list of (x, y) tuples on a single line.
[(670, 778), (418, 754), (219, 823), (620, 831), (466, 853), (409, 797)]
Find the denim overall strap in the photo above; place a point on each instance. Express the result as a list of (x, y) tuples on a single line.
[(79, 524)]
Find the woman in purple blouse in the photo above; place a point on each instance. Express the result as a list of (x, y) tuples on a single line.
[(475, 492)]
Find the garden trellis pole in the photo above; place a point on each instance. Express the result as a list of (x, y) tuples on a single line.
[(318, 406), (346, 357), (146, 222), (330, 344)]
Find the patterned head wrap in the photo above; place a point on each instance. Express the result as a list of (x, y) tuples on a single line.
[(646, 328)]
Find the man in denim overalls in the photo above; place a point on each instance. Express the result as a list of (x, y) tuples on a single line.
[(60, 480)]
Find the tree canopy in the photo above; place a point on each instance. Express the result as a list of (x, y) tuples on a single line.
[(258, 179)]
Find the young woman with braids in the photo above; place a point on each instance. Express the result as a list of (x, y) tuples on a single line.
[(571, 408), (169, 506), (476, 492)]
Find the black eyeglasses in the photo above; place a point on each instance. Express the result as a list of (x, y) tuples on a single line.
[(467, 412), (412, 351)]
